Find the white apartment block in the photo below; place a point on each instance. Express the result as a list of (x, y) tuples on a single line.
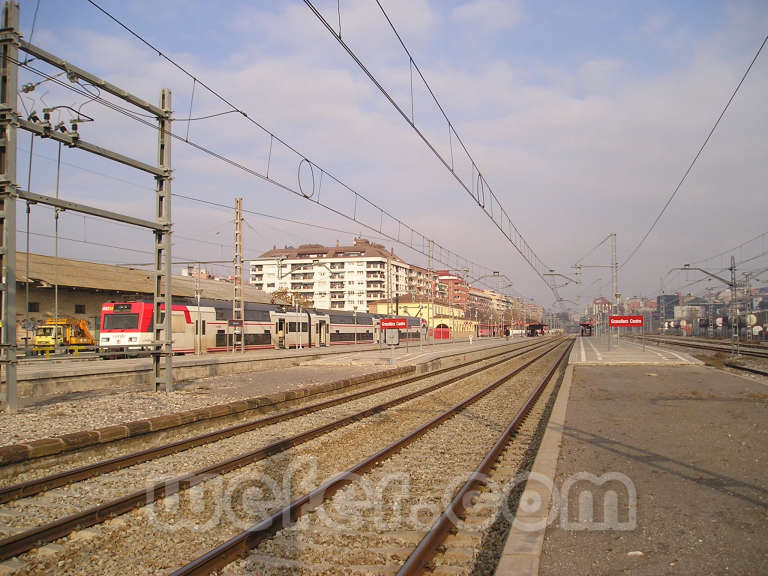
[(336, 277)]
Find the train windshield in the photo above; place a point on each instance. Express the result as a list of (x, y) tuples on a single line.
[(121, 322)]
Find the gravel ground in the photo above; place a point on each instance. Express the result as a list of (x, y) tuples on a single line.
[(38, 467), (175, 529), (480, 539), (372, 525), (87, 413)]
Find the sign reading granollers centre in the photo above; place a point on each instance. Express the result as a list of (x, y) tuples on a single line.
[(394, 323), (625, 321)]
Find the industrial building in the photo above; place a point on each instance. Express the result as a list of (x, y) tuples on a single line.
[(80, 288)]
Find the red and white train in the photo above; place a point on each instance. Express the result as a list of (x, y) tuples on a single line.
[(126, 328)]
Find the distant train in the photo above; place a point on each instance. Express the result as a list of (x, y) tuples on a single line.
[(126, 328)]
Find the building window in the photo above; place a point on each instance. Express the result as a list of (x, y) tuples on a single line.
[(79, 308), (33, 307)]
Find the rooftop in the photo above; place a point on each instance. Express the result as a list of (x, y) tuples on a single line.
[(48, 271), (362, 248)]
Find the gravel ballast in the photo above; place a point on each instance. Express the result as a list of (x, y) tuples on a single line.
[(168, 539)]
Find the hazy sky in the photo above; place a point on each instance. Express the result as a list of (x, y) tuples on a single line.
[(582, 117)]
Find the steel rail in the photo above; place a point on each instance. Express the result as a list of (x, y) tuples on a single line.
[(240, 544), (703, 340), (37, 485), (743, 350), (746, 368), (29, 539), (429, 545)]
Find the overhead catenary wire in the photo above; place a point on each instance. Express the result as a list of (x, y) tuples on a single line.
[(734, 249), (439, 253), (593, 250), (479, 187), (698, 154), (422, 244), (201, 201)]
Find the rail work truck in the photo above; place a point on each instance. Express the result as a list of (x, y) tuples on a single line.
[(65, 334)]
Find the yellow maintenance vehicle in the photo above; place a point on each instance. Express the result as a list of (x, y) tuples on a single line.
[(71, 335)]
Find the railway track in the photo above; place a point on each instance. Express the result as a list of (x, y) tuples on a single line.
[(754, 350), (746, 369), (286, 543), (37, 475), (744, 349), (45, 509)]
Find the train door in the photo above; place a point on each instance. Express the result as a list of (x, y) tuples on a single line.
[(321, 333), (280, 333)]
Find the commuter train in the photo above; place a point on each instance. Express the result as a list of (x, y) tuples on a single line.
[(126, 328)]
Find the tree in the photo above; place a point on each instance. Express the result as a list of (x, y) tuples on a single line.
[(284, 297)]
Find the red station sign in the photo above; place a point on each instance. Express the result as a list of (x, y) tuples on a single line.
[(394, 324), (625, 321)]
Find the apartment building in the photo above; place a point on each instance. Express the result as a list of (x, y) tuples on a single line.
[(452, 288), (336, 277), (421, 282)]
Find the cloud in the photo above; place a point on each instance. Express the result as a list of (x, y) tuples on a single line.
[(488, 15), (574, 151)]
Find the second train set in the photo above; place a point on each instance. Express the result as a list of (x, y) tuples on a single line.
[(127, 327)]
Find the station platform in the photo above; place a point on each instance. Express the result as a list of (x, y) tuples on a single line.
[(597, 350), (647, 470)]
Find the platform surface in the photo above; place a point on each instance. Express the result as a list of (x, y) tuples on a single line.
[(685, 449), (597, 351)]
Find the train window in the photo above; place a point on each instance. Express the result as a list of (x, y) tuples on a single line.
[(304, 327), (291, 326), (203, 327), (121, 322)]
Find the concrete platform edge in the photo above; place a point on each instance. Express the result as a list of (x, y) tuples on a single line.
[(524, 545)]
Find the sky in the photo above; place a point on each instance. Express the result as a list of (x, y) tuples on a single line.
[(582, 117)]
